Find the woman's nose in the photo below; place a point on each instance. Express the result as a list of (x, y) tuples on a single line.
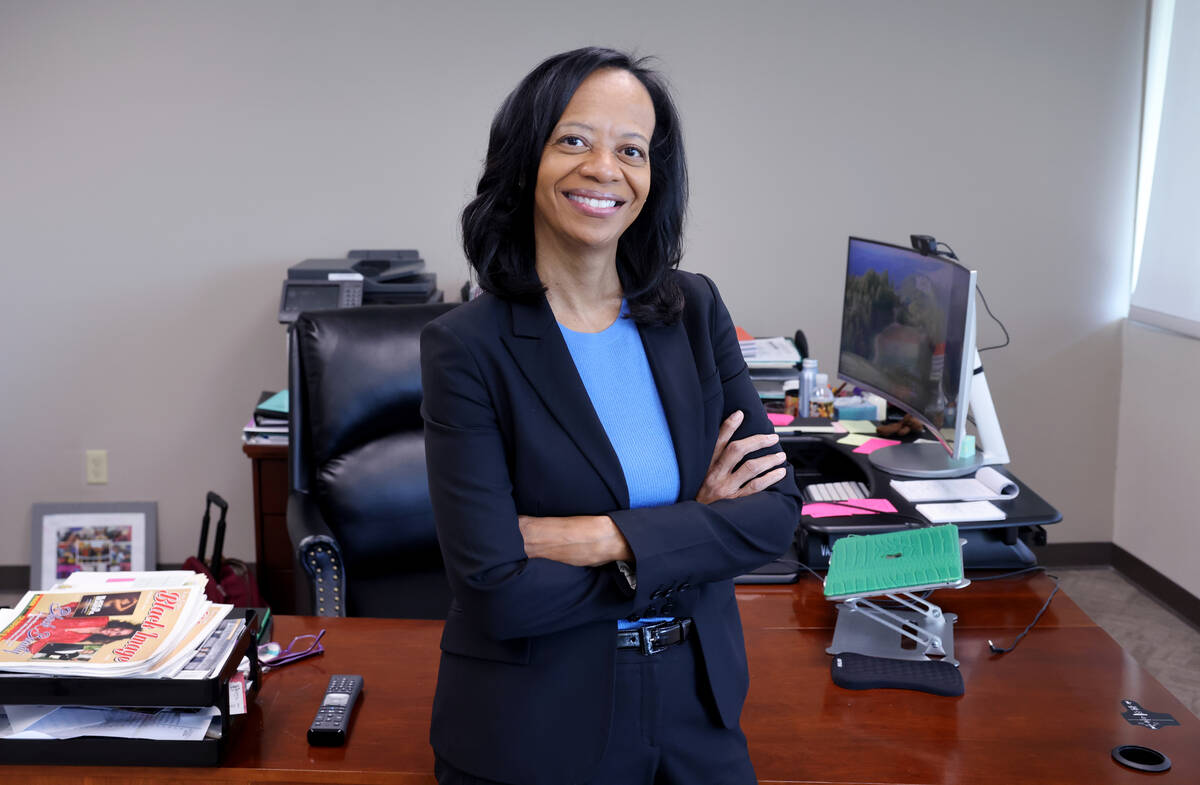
[(601, 165)]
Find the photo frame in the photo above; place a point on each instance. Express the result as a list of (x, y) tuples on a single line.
[(93, 536)]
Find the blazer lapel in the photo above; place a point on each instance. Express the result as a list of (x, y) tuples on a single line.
[(670, 354), (542, 355)]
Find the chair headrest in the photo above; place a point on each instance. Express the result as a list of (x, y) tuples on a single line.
[(361, 373)]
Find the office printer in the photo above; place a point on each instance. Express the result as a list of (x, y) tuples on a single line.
[(364, 277)]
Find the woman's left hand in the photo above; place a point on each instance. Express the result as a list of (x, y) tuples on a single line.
[(724, 481), (579, 540)]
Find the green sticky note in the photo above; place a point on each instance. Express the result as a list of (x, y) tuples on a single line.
[(859, 426), (855, 439)]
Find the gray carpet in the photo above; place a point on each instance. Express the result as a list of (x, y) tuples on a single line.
[(1163, 643)]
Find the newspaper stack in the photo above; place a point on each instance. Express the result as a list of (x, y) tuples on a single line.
[(143, 624)]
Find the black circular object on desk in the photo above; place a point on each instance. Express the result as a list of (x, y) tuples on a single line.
[(1141, 758)]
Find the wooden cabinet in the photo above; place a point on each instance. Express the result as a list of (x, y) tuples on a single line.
[(272, 549)]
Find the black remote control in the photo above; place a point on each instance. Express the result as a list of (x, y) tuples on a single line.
[(329, 727)]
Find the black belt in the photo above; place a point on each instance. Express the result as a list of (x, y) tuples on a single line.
[(653, 638)]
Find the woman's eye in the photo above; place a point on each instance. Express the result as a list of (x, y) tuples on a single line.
[(572, 141), (633, 152)]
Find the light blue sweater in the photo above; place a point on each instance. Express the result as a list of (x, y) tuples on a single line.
[(616, 373)]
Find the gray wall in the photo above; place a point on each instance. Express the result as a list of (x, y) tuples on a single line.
[(163, 163)]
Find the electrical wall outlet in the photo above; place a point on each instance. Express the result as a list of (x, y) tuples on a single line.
[(96, 464)]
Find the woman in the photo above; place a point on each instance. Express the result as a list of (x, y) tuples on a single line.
[(586, 425)]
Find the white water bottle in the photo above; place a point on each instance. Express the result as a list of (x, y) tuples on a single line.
[(808, 381)]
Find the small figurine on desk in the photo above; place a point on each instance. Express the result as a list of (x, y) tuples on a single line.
[(908, 425)]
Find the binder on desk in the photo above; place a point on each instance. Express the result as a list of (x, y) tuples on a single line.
[(271, 407)]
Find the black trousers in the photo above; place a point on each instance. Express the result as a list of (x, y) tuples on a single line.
[(665, 729)]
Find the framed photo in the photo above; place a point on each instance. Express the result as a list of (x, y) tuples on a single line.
[(97, 537)]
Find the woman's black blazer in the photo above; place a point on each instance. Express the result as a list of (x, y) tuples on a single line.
[(525, 685)]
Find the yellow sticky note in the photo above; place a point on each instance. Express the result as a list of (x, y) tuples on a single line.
[(859, 426), (856, 439)]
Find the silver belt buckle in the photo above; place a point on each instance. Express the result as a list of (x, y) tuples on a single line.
[(649, 637)]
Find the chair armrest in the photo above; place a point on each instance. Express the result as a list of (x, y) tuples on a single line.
[(319, 555)]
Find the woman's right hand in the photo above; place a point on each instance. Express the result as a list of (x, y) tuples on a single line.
[(722, 482)]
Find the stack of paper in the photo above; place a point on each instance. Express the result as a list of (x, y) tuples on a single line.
[(108, 625), (987, 484), (269, 423), (770, 353), (772, 362), (149, 624), (69, 722)]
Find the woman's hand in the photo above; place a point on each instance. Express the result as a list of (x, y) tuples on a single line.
[(579, 540), (722, 482)]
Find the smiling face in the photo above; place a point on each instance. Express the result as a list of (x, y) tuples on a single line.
[(594, 175)]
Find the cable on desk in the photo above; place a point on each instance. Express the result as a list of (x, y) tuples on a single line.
[(794, 563), (1013, 574), (998, 650)]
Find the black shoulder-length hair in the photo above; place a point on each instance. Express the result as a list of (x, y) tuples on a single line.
[(498, 222)]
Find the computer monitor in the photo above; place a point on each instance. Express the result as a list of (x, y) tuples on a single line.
[(908, 334)]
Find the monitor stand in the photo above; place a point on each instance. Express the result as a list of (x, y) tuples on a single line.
[(924, 460), (929, 460)]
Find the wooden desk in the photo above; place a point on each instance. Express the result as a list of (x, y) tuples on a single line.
[(1049, 712)]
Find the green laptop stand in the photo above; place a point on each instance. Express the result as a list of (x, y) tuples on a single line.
[(895, 565)]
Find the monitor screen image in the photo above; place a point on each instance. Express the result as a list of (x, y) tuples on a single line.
[(904, 322)]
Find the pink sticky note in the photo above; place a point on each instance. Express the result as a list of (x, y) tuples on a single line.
[(851, 507), (868, 447), (779, 418)]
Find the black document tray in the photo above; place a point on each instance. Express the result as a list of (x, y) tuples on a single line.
[(131, 693)]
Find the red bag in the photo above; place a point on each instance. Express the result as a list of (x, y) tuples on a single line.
[(229, 581)]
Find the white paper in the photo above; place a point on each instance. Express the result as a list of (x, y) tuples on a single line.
[(129, 581), (760, 351), (170, 725), (997, 483), (21, 717), (987, 484), (69, 722), (961, 512), (237, 694), (65, 722)]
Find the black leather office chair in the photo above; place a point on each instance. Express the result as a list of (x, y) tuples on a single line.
[(358, 516)]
